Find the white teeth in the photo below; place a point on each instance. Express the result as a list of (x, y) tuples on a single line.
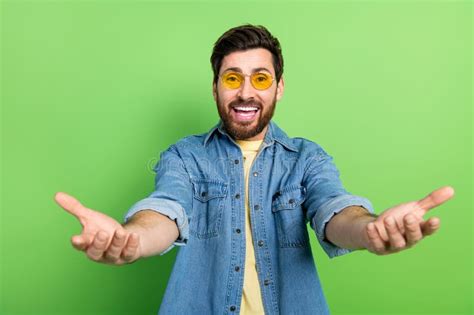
[(247, 109)]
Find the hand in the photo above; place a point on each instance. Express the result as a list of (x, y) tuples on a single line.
[(103, 239), (402, 226)]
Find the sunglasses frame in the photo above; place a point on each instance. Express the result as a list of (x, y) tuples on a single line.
[(245, 76)]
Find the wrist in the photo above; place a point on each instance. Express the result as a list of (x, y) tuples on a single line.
[(347, 229)]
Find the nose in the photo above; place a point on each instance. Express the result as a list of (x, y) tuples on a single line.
[(246, 90)]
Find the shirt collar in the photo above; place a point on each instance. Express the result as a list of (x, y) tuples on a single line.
[(274, 133)]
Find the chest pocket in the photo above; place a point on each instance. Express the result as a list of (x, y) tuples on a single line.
[(208, 206), (289, 216)]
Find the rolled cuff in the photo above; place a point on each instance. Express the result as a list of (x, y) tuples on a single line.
[(327, 211), (169, 208)]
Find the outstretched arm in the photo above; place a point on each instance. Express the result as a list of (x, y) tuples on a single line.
[(395, 229), (105, 240)]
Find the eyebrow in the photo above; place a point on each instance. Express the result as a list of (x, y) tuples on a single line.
[(253, 70)]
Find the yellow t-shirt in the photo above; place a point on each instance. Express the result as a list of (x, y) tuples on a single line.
[(252, 297)]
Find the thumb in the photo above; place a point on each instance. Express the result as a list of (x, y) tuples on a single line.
[(436, 198), (70, 204)]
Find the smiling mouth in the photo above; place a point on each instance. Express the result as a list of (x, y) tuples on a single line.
[(245, 113)]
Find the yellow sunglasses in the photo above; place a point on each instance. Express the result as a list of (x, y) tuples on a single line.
[(259, 80)]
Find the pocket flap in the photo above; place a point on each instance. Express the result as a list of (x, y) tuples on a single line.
[(204, 189), (289, 197)]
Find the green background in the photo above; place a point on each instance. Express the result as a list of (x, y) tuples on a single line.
[(93, 91)]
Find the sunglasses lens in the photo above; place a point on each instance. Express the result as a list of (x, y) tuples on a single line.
[(232, 80), (261, 81)]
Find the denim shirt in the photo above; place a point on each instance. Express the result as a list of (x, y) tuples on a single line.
[(200, 185)]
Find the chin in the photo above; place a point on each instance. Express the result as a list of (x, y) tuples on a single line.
[(242, 132)]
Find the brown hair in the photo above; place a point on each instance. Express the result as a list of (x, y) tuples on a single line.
[(246, 37)]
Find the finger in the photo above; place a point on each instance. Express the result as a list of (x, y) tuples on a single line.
[(70, 204), (430, 226), (98, 246), (382, 231), (78, 242), (117, 245), (412, 229), (436, 198), (397, 241), (131, 249), (376, 242)]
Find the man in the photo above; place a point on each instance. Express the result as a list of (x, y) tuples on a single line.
[(239, 197)]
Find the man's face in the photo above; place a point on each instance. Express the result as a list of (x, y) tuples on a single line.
[(233, 104)]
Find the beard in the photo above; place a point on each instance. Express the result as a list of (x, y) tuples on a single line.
[(244, 130)]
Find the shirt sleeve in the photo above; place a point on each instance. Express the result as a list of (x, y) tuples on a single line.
[(325, 197), (172, 194)]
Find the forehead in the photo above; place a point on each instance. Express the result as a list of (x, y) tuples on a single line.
[(248, 60)]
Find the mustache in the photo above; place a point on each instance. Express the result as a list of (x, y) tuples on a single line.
[(241, 102)]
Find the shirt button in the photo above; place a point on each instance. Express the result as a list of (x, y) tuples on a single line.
[(260, 243), (266, 282), (256, 207), (237, 196), (291, 200), (236, 161), (255, 174), (232, 308), (237, 231), (237, 268), (204, 194)]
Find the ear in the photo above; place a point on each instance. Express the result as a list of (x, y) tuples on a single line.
[(280, 88), (214, 91)]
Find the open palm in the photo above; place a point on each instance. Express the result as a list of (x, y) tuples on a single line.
[(402, 226), (103, 239)]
